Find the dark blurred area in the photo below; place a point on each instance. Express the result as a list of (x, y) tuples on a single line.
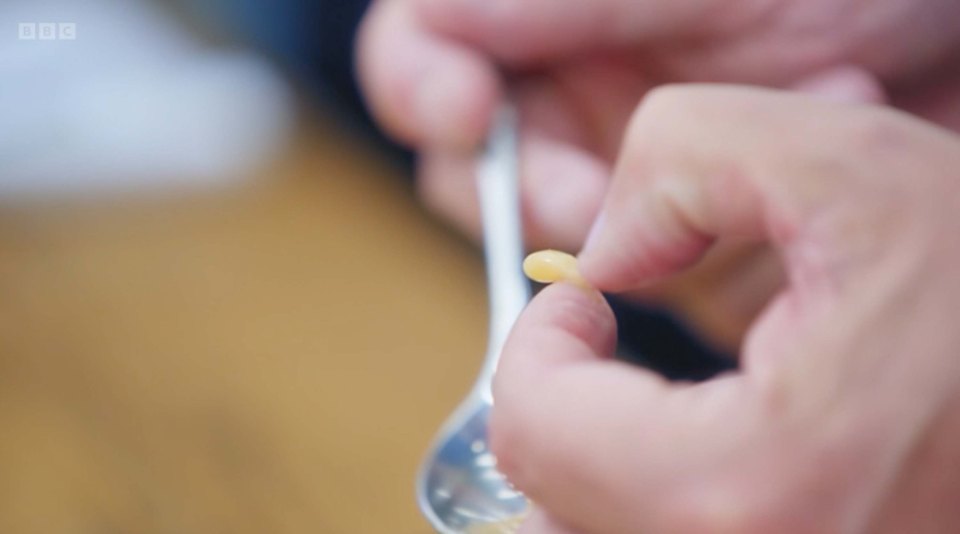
[(223, 308), (314, 43), (200, 248)]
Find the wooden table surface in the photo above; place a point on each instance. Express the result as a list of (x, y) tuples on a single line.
[(273, 358)]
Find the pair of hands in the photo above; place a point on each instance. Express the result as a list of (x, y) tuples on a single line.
[(432, 73), (846, 415)]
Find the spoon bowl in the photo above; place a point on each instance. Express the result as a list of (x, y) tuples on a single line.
[(461, 487)]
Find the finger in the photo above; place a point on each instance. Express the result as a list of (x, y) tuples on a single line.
[(564, 169), (423, 89), (562, 187), (539, 522), (724, 310), (562, 190), (599, 92), (563, 181), (447, 186), (706, 161), (748, 286), (723, 293), (735, 303), (535, 30), (589, 438)]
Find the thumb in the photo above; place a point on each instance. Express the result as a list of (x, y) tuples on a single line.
[(806, 175), (591, 439), (539, 522), (793, 442), (825, 183)]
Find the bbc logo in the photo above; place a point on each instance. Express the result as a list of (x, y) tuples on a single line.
[(47, 31)]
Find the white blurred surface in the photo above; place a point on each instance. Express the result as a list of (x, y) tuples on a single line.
[(133, 103)]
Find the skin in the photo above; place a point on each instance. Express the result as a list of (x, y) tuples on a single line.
[(845, 417), (432, 69), (824, 230)]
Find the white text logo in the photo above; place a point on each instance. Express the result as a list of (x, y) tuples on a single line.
[(47, 31)]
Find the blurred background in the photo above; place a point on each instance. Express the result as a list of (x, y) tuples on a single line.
[(221, 307)]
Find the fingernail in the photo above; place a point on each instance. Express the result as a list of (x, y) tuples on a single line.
[(595, 231)]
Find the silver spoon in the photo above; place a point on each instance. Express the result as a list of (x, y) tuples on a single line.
[(459, 487)]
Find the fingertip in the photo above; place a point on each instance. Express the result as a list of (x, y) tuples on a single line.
[(651, 224), (563, 190), (573, 317), (606, 264), (626, 251), (472, 21), (455, 100), (383, 83), (424, 90), (559, 398), (446, 186), (564, 324), (591, 268)]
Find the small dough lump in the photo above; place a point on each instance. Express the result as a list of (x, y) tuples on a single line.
[(549, 266)]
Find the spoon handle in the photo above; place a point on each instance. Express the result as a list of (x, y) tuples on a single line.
[(498, 187)]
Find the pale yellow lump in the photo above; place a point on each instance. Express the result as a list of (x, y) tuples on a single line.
[(549, 266)]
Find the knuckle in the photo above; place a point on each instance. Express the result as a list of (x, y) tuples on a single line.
[(661, 102), (651, 127), (866, 187), (702, 101), (669, 116), (667, 96), (879, 138), (879, 131), (505, 28)]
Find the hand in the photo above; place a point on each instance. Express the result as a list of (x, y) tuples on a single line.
[(578, 68), (846, 414)]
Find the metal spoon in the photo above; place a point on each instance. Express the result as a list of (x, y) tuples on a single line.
[(459, 487)]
